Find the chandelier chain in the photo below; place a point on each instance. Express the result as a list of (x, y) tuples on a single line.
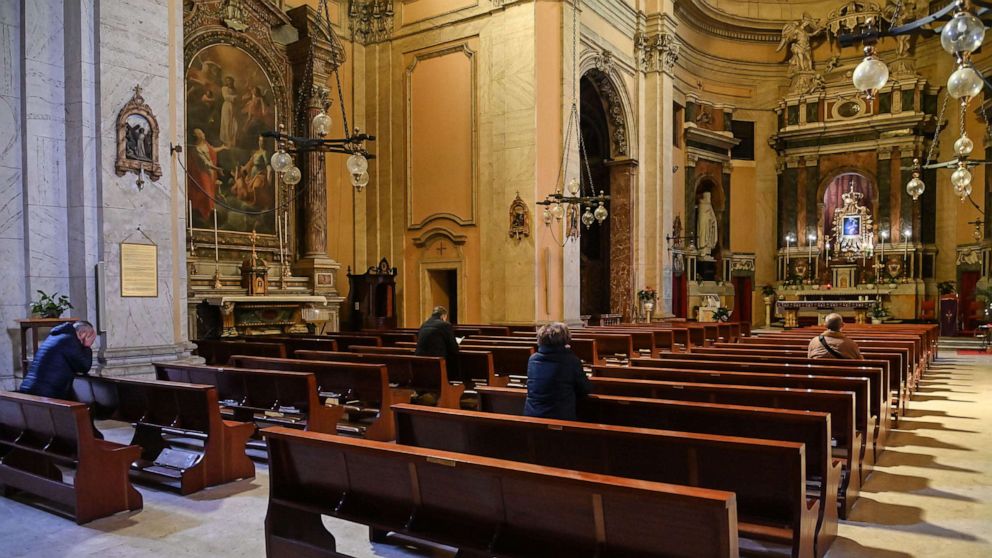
[(936, 133)]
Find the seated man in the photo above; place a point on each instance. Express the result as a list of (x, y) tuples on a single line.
[(437, 338), (64, 354), (832, 343)]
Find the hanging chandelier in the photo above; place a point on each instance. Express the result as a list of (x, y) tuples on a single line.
[(353, 144), (566, 202), (961, 34)]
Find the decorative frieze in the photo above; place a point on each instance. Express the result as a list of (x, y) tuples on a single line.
[(372, 20)]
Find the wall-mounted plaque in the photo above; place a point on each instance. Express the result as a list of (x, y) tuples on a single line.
[(139, 270)]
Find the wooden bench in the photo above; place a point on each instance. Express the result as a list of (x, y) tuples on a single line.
[(889, 385), (218, 351), (362, 389), (897, 367), (478, 365), (585, 349), (293, 344), (768, 477), (161, 411), (484, 507), (421, 374), (262, 397), (39, 436), (869, 384), (809, 428), (840, 405)]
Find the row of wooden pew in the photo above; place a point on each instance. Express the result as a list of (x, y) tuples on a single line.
[(726, 417)]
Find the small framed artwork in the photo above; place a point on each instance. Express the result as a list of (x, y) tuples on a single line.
[(852, 225), (137, 139)]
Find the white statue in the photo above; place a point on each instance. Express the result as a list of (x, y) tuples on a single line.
[(707, 232)]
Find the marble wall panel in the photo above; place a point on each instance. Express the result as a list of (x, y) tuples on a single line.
[(11, 194)]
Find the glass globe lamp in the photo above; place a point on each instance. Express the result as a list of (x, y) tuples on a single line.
[(588, 218), (871, 74), (915, 187), (280, 161), (546, 215), (964, 83), (321, 124), (601, 213), (964, 146), (964, 33), (357, 164), (557, 211), (360, 181), (292, 175), (961, 179), (962, 190), (573, 186)]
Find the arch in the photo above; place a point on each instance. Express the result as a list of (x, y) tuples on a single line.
[(616, 103)]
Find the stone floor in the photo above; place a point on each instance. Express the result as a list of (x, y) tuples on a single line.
[(930, 496)]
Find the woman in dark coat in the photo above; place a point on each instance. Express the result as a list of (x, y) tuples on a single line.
[(554, 376)]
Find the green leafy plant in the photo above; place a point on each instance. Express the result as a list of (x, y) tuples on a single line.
[(984, 294), (50, 305), (878, 311), (722, 314), (946, 287), (647, 294), (768, 290)]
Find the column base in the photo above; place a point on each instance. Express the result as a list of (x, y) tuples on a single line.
[(135, 361), (322, 273)]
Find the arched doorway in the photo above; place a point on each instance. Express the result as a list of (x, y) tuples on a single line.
[(594, 252)]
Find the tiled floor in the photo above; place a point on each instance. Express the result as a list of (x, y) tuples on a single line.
[(930, 496)]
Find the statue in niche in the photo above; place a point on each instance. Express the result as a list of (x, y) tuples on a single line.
[(707, 231)]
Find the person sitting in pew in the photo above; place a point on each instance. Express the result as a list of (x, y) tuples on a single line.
[(554, 376), (436, 338), (832, 343), (63, 355)]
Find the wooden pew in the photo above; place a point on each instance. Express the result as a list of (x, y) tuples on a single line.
[(484, 507), (418, 373), (163, 410), (218, 351), (889, 385), (897, 361), (39, 434), (478, 364), (840, 404), (585, 349), (767, 477), (909, 348), (262, 397), (293, 343), (812, 429), (391, 338), (875, 402), (864, 421), (362, 389)]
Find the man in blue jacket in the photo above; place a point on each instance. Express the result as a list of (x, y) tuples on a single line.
[(555, 379), (64, 354)]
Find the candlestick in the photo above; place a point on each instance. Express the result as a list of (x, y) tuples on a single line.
[(216, 242), (189, 219), (282, 259), (285, 234)]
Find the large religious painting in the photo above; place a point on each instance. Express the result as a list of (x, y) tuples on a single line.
[(229, 103)]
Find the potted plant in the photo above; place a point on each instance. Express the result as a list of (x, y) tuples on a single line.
[(878, 313), (722, 314), (648, 297), (946, 288), (769, 293), (50, 305)]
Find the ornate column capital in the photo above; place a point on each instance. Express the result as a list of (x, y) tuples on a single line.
[(657, 52)]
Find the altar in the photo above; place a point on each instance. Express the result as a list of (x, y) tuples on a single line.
[(790, 309)]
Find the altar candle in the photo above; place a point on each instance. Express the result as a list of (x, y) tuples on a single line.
[(279, 236), (285, 233), (189, 219), (216, 242)]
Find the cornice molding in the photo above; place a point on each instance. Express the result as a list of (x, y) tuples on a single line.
[(706, 19)]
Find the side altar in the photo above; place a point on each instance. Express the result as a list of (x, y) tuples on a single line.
[(257, 238)]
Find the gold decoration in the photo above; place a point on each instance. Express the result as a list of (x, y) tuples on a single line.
[(137, 140), (519, 219), (853, 227)]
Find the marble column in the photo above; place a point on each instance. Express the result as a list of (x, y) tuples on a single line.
[(623, 182), (314, 59)]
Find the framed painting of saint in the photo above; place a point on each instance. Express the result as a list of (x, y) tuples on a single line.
[(229, 103), (852, 225)]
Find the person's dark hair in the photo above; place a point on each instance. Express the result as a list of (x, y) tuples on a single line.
[(82, 326), (555, 334), (834, 322), (439, 312)]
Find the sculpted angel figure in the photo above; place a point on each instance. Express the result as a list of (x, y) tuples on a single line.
[(797, 34)]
